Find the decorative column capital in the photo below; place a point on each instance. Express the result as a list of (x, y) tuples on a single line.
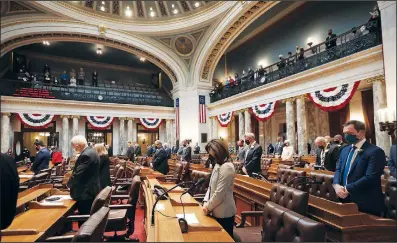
[(299, 97), (379, 78), (291, 100), (6, 114), (122, 118), (75, 116), (130, 118), (102, 29), (65, 116)]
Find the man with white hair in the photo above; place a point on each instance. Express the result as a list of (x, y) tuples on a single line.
[(84, 183), (320, 143), (252, 162), (159, 161)]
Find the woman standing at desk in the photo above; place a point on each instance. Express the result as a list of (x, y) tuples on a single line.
[(219, 200)]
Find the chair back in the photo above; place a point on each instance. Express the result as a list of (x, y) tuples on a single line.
[(286, 175), (58, 170), (195, 176), (136, 171), (283, 225), (118, 175), (116, 169), (390, 198), (93, 229), (290, 198), (178, 172), (133, 199), (325, 187), (101, 200)]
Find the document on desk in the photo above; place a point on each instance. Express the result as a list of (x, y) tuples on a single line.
[(58, 198), (189, 217), (25, 176)]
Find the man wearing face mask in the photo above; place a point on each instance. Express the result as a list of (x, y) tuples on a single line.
[(84, 183), (253, 155), (160, 159), (358, 171), (186, 151), (42, 159), (320, 143)]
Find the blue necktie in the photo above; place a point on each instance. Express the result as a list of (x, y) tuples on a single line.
[(347, 165)]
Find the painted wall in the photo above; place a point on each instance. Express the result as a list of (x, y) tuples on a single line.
[(313, 19)]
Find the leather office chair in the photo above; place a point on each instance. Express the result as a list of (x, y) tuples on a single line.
[(265, 165), (283, 225), (391, 198), (123, 215), (195, 159), (177, 175), (324, 190), (123, 185), (91, 231), (286, 175), (118, 175), (35, 180), (201, 189)]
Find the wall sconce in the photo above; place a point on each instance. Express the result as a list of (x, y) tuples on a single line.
[(387, 121)]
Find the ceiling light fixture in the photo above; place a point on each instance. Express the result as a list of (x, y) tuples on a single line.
[(46, 43), (102, 8), (103, 2), (128, 12), (175, 11), (197, 4), (172, 5), (152, 14), (99, 51), (142, 59)]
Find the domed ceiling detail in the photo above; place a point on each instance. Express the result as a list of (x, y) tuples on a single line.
[(144, 10)]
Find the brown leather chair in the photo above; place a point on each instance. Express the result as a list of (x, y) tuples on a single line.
[(118, 176), (195, 159), (391, 198), (123, 215), (91, 231), (177, 175), (325, 189), (283, 225), (265, 165), (286, 175), (35, 180), (201, 189), (123, 185)]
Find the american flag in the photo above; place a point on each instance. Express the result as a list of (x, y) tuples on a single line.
[(178, 118), (202, 109)]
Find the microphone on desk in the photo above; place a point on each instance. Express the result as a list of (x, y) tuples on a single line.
[(259, 176), (199, 182)]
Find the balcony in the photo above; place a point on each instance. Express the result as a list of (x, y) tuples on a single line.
[(353, 41), (118, 95)]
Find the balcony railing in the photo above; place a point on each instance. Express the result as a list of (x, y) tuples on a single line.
[(351, 42), (18, 88)]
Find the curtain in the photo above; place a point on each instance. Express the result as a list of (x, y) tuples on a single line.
[(368, 115)]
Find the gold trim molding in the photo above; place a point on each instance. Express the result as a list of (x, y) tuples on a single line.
[(65, 116), (75, 116), (6, 114), (379, 78)]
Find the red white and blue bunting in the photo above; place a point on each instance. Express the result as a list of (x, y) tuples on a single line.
[(334, 98), (264, 111), (100, 122), (225, 119), (150, 123), (35, 120)]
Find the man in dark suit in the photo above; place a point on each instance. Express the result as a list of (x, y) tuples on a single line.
[(186, 151), (279, 146), (95, 78), (9, 188), (330, 40), (84, 183), (167, 149), (326, 157), (42, 159), (159, 161), (253, 155), (130, 151), (137, 149), (358, 171), (320, 143)]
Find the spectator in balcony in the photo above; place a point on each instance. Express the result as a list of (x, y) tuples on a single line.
[(250, 74), (330, 40), (231, 81), (297, 52), (95, 78), (237, 79), (226, 82), (72, 77), (80, 77), (46, 69), (47, 77), (64, 78), (290, 59), (282, 62), (374, 23), (301, 54), (261, 71)]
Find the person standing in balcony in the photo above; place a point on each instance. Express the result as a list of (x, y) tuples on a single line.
[(80, 77), (64, 78), (72, 77), (95, 78), (330, 40)]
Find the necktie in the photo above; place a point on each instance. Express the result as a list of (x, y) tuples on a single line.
[(348, 165)]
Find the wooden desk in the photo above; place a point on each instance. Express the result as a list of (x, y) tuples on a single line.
[(167, 229), (343, 221), (43, 219), (33, 193)]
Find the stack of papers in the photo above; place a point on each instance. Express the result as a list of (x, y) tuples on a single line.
[(189, 217)]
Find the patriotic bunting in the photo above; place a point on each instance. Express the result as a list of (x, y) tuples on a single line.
[(150, 123), (264, 111), (35, 120), (334, 98), (225, 119), (100, 122)]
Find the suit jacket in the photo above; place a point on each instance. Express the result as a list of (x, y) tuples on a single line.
[(392, 161), (196, 150), (84, 183), (42, 161), (137, 151), (104, 171), (241, 153), (186, 154), (168, 152), (160, 162), (278, 148), (271, 149), (110, 152), (219, 196), (329, 42), (9, 188), (253, 159), (363, 180), (130, 153)]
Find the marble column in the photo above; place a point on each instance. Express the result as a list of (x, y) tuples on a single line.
[(267, 133), (168, 132), (134, 134), (5, 132), (248, 122), (232, 135), (379, 102), (214, 129), (241, 125), (302, 126), (75, 125), (162, 132), (130, 130), (122, 136), (65, 136), (290, 127), (261, 134)]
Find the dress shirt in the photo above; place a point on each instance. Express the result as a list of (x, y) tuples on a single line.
[(356, 148), (248, 148)]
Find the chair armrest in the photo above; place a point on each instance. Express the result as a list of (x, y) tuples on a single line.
[(245, 214), (62, 238), (77, 218), (123, 183), (120, 206)]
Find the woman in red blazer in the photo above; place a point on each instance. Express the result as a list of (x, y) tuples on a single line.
[(57, 157)]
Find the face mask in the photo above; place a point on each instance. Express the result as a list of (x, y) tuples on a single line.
[(351, 139), (37, 148), (286, 144), (184, 145), (247, 142), (321, 147)]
